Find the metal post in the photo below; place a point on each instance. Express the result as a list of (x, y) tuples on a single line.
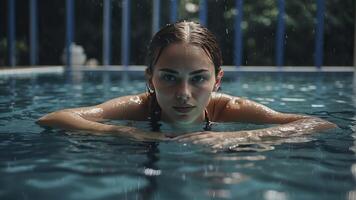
[(173, 11), (11, 38), (319, 41), (155, 16), (107, 33), (280, 34), (33, 32), (70, 30), (355, 41), (203, 12), (125, 37), (238, 33)]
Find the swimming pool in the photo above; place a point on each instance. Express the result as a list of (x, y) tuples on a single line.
[(51, 164)]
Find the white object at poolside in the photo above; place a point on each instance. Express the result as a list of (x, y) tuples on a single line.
[(78, 56)]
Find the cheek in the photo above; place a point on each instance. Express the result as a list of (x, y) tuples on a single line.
[(163, 92), (162, 89), (203, 94)]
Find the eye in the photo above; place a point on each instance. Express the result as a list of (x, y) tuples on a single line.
[(168, 77), (198, 79)]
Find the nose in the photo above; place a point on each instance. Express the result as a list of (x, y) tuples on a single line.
[(183, 92)]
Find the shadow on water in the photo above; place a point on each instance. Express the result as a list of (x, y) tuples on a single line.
[(151, 171), (133, 159)]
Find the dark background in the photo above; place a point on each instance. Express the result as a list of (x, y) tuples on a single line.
[(260, 19)]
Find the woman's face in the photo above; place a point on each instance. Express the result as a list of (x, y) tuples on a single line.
[(183, 79)]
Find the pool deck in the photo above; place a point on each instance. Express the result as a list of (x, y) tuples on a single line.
[(26, 70)]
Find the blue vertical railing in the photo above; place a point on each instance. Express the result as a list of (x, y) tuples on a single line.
[(173, 11), (238, 33), (319, 41), (125, 36), (203, 12), (107, 33), (33, 32), (69, 31), (156, 16), (11, 39), (280, 34), (125, 39)]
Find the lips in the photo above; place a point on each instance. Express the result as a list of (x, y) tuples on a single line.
[(183, 109)]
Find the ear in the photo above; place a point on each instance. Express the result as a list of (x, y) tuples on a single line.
[(218, 80)]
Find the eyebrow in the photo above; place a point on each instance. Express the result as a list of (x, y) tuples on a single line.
[(169, 71), (199, 71), (191, 73)]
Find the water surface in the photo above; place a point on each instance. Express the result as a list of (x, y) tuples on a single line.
[(36, 163)]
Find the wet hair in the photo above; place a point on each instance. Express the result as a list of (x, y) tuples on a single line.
[(180, 32), (184, 32)]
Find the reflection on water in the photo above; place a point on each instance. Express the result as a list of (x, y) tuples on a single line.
[(140, 181), (238, 158), (219, 193), (224, 178), (274, 195)]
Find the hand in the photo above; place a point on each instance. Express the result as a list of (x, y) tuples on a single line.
[(140, 135), (219, 140), (227, 140)]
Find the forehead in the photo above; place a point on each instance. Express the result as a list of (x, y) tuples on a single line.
[(183, 55)]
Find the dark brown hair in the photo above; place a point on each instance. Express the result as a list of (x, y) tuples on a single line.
[(179, 32), (184, 32)]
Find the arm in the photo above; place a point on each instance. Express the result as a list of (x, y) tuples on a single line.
[(235, 109), (88, 118), (242, 110), (226, 139)]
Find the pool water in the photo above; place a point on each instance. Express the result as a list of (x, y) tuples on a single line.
[(36, 163)]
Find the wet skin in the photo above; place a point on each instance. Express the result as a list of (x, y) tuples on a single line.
[(183, 79)]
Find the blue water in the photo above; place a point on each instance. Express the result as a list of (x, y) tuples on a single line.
[(52, 164)]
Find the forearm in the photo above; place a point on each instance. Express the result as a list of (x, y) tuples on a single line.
[(221, 140), (72, 121), (299, 127)]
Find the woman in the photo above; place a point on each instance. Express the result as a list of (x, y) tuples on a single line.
[(183, 76)]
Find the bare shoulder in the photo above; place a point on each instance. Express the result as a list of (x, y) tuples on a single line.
[(134, 100), (222, 101), (218, 104), (131, 107), (237, 109)]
